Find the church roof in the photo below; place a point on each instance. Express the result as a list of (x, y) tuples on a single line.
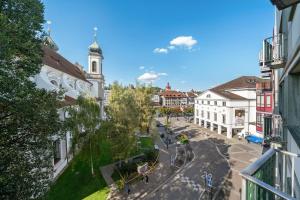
[(95, 47), (56, 61)]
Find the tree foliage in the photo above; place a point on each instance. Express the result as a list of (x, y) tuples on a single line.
[(129, 111), (28, 116), (83, 121)]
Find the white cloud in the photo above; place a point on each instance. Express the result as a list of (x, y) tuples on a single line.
[(171, 47), (142, 67), (160, 50), (185, 41), (150, 76)]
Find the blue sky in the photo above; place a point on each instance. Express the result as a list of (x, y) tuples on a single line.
[(216, 40)]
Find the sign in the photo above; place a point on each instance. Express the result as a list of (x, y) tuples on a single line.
[(239, 117)]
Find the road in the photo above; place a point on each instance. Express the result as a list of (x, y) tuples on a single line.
[(213, 154)]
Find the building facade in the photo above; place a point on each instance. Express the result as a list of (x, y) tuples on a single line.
[(229, 108), (57, 73), (172, 98), (276, 174), (264, 107)]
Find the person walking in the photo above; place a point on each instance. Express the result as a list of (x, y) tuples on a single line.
[(127, 189), (147, 179)]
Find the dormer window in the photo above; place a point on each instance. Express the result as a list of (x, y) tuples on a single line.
[(94, 66)]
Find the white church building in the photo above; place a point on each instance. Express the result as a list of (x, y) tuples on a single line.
[(229, 108), (58, 73)]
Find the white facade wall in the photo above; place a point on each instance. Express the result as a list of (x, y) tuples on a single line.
[(212, 103)]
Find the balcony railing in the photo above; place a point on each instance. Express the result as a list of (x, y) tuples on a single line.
[(272, 176), (273, 54)]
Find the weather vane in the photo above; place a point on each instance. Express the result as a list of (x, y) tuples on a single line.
[(49, 29), (95, 32)]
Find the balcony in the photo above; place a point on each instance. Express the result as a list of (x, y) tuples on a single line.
[(273, 53), (265, 85), (272, 176)]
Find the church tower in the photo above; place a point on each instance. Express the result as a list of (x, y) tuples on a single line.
[(95, 57), (94, 74)]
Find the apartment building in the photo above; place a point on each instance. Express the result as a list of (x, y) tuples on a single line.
[(276, 174)]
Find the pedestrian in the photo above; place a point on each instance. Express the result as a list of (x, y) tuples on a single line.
[(127, 189), (147, 179)]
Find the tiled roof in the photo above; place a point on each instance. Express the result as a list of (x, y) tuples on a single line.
[(172, 94), (191, 94), (238, 83), (56, 61)]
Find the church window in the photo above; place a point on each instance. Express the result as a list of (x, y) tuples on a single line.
[(94, 66), (54, 82)]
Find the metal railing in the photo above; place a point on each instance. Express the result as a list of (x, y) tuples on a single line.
[(273, 52), (266, 178)]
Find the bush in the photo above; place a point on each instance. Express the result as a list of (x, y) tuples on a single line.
[(183, 138), (151, 155)]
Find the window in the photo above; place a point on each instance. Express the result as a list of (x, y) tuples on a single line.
[(224, 103), (208, 96), (259, 120), (258, 104), (94, 66), (215, 117), (197, 112), (224, 119), (208, 115), (268, 100), (202, 102), (262, 102), (56, 151), (54, 82), (208, 102), (215, 103), (202, 113)]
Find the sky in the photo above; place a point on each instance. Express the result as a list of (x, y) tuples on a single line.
[(192, 44)]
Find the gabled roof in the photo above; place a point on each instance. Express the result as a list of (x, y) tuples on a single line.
[(172, 94), (243, 82), (56, 61)]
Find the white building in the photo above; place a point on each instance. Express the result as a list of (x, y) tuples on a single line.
[(228, 108), (58, 73)]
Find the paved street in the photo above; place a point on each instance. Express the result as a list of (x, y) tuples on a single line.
[(214, 154)]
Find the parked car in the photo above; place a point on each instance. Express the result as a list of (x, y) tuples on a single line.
[(254, 139)]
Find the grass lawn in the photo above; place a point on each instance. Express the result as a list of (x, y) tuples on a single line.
[(77, 182), (146, 142)]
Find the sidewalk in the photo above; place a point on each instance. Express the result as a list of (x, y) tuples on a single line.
[(156, 177)]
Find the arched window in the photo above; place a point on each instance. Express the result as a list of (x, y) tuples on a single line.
[(54, 82), (94, 66)]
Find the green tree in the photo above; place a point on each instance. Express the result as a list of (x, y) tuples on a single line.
[(28, 116), (84, 121), (123, 113), (146, 112)]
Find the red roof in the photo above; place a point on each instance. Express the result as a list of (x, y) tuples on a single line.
[(172, 94), (56, 61)]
